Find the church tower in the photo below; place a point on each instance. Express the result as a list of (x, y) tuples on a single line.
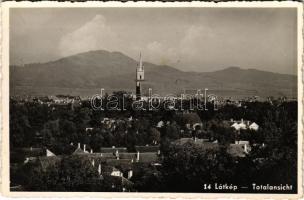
[(140, 75)]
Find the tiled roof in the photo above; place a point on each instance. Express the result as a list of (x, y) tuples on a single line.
[(103, 155), (148, 157), (121, 164), (115, 162), (112, 150), (129, 156)]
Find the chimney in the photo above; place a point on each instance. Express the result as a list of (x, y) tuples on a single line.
[(242, 120), (158, 152), (245, 148), (137, 157), (99, 169), (91, 151), (117, 155), (78, 145), (93, 162), (84, 147), (31, 148), (100, 154)]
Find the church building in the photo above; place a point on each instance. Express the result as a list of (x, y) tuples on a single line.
[(140, 76)]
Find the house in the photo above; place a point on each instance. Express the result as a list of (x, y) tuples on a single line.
[(88, 129), (160, 124), (236, 126), (254, 126), (112, 149), (242, 125), (109, 170), (148, 157), (235, 150), (79, 150), (49, 153), (125, 167)]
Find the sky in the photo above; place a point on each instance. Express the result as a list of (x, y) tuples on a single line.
[(190, 39)]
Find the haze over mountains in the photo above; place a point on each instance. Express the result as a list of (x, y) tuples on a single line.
[(84, 74)]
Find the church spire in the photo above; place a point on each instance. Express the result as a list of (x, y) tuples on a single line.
[(140, 76), (141, 67)]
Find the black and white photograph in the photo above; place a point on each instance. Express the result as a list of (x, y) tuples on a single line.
[(153, 99)]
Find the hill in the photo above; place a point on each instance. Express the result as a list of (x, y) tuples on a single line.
[(84, 74)]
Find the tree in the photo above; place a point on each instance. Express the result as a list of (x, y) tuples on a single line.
[(154, 135), (188, 166), (147, 178), (73, 173)]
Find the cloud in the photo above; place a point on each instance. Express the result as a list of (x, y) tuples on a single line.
[(186, 49), (196, 41), (98, 34), (93, 35), (158, 53)]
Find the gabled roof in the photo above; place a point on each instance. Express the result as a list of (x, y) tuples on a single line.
[(79, 151), (254, 126), (49, 153)]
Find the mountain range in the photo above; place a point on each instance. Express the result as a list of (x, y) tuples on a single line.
[(85, 73)]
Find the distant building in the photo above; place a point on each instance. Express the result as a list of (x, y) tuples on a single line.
[(243, 125), (239, 149), (79, 150), (254, 126)]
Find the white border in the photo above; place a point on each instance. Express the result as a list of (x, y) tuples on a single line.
[(5, 97)]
